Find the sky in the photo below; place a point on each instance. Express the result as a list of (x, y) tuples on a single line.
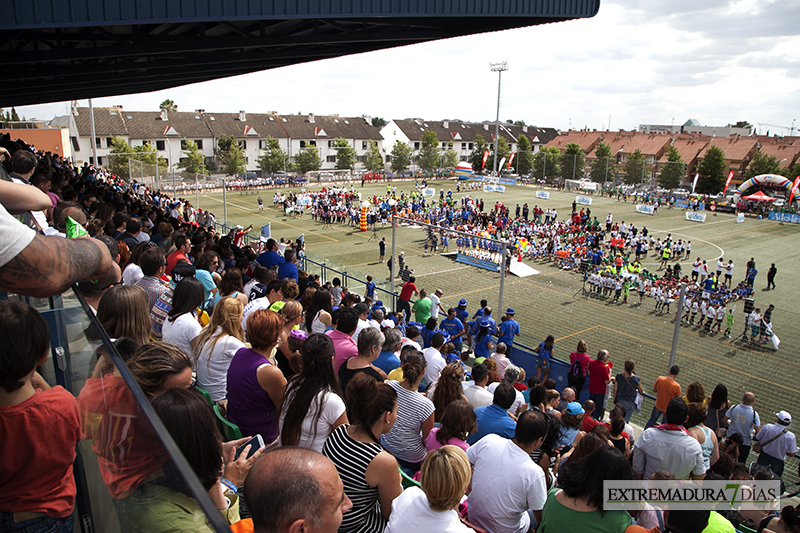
[(651, 62)]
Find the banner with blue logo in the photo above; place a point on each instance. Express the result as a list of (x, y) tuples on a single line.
[(645, 209), (494, 188), (544, 195), (695, 216), (783, 217), (430, 191), (507, 181), (583, 200), (686, 204), (480, 263)]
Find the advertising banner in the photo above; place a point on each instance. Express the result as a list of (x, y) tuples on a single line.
[(645, 209), (695, 216), (480, 263), (782, 217), (583, 200), (544, 195)]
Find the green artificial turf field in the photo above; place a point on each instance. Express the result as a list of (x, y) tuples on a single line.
[(552, 302)]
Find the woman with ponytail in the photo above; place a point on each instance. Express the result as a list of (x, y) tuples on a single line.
[(292, 313), (313, 405), (369, 474), (406, 440)]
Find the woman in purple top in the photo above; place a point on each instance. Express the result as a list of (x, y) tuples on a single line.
[(255, 384)]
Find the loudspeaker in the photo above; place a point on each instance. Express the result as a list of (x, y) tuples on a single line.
[(749, 304)]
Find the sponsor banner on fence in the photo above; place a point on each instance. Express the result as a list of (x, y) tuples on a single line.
[(480, 263), (494, 188), (740, 218), (544, 195), (783, 217), (583, 200), (685, 204), (686, 495), (507, 181), (695, 216), (430, 191), (646, 209)]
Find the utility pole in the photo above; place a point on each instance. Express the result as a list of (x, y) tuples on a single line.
[(499, 68)]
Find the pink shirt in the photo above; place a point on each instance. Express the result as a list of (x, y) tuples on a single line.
[(344, 347), (432, 444)]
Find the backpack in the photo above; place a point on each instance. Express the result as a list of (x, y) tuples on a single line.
[(576, 369)]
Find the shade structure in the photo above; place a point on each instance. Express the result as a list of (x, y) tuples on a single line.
[(758, 197)]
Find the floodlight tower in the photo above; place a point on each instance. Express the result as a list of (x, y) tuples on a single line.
[(499, 68)]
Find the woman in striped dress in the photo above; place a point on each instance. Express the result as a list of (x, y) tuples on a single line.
[(370, 475)]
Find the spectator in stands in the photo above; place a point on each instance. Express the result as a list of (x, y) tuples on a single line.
[(313, 406), (703, 435), (545, 353), (123, 312), (131, 270), (159, 312), (445, 476), (133, 227), (271, 256), (318, 315), (494, 419), (343, 343), (718, 405), (40, 427), (577, 379), (191, 424), (408, 290), (207, 265), (457, 423), (369, 473), (506, 483), (369, 348), (231, 285), (273, 295), (447, 390), (572, 422), (695, 393), (511, 375), (388, 359), (787, 522), (483, 340), (777, 442), (153, 265), (255, 384), (292, 313), (435, 359), (406, 440), (745, 421), (94, 290), (669, 447), (665, 388), (578, 504), (626, 385), (292, 489), (499, 356), (182, 248), (288, 269), (182, 327), (476, 394), (599, 378), (217, 345)]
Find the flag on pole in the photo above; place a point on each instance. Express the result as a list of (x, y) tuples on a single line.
[(728, 181), (510, 160), (694, 184), (500, 166), (485, 157), (793, 192)]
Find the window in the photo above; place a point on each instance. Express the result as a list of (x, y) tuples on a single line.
[(470, 146), (361, 158), (109, 142), (199, 143), (364, 145), (243, 144), (312, 143), (302, 144), (444, 146), (463, 146), (160, 145), (330, 144), (331, 159), (184, 144), (388, 158), (97, 142), (416, 146)]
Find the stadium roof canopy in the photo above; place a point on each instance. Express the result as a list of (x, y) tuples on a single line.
[(55, 50)]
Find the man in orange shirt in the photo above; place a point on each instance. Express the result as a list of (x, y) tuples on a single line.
[(183, 246), (665, 388)]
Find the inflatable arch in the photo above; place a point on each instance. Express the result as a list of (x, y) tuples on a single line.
[(762, 179)]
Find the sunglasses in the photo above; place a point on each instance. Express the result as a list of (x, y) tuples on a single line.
[(112, 285)]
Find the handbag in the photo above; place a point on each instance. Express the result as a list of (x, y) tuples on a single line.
[(637, 402), (758, 445), (721, 431)]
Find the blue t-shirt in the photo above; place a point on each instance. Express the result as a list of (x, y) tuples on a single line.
[(481, 346), (492, 419), (267, 259), (462, 315), (288, 270), (708, 284), (427, 337), (387, 361), (370, 289), (544, 354), (453, 327), (508, 330)]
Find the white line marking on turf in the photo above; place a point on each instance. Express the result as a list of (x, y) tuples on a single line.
[(232, 203), (441, 271), (671, 232)]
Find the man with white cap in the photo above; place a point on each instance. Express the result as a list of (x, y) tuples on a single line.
[(776, 443)]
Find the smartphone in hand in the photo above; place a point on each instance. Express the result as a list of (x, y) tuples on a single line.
[(256, 443)]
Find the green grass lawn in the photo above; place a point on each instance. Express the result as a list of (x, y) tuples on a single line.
[(551, 302)]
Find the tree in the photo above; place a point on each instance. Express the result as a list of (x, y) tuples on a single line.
[(378, 122), (545, 163), (401, 156), (308, 159), (273, 157), (451, 158), (762, 164), (524, 159), (193, 162), (345, 154), (673, 171), (573, 162), (121, 152), (712, 172), (603, 167), (230, 154), (14, 116), (743, 124), (635, 168), (374, 157), (169, 105), (429, 151), (503, 150), (476, 157)]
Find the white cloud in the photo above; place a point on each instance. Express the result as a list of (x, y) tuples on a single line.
[(718, 61)]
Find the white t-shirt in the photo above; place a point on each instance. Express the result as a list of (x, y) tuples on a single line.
[(132, 274), (412, 512), (673, 451), (519, 399), (16, 236), (505, 484), (332, 409), (181, 332), (436, 364), (478, 396), (434, 305), (252, 307), (212, 365)]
